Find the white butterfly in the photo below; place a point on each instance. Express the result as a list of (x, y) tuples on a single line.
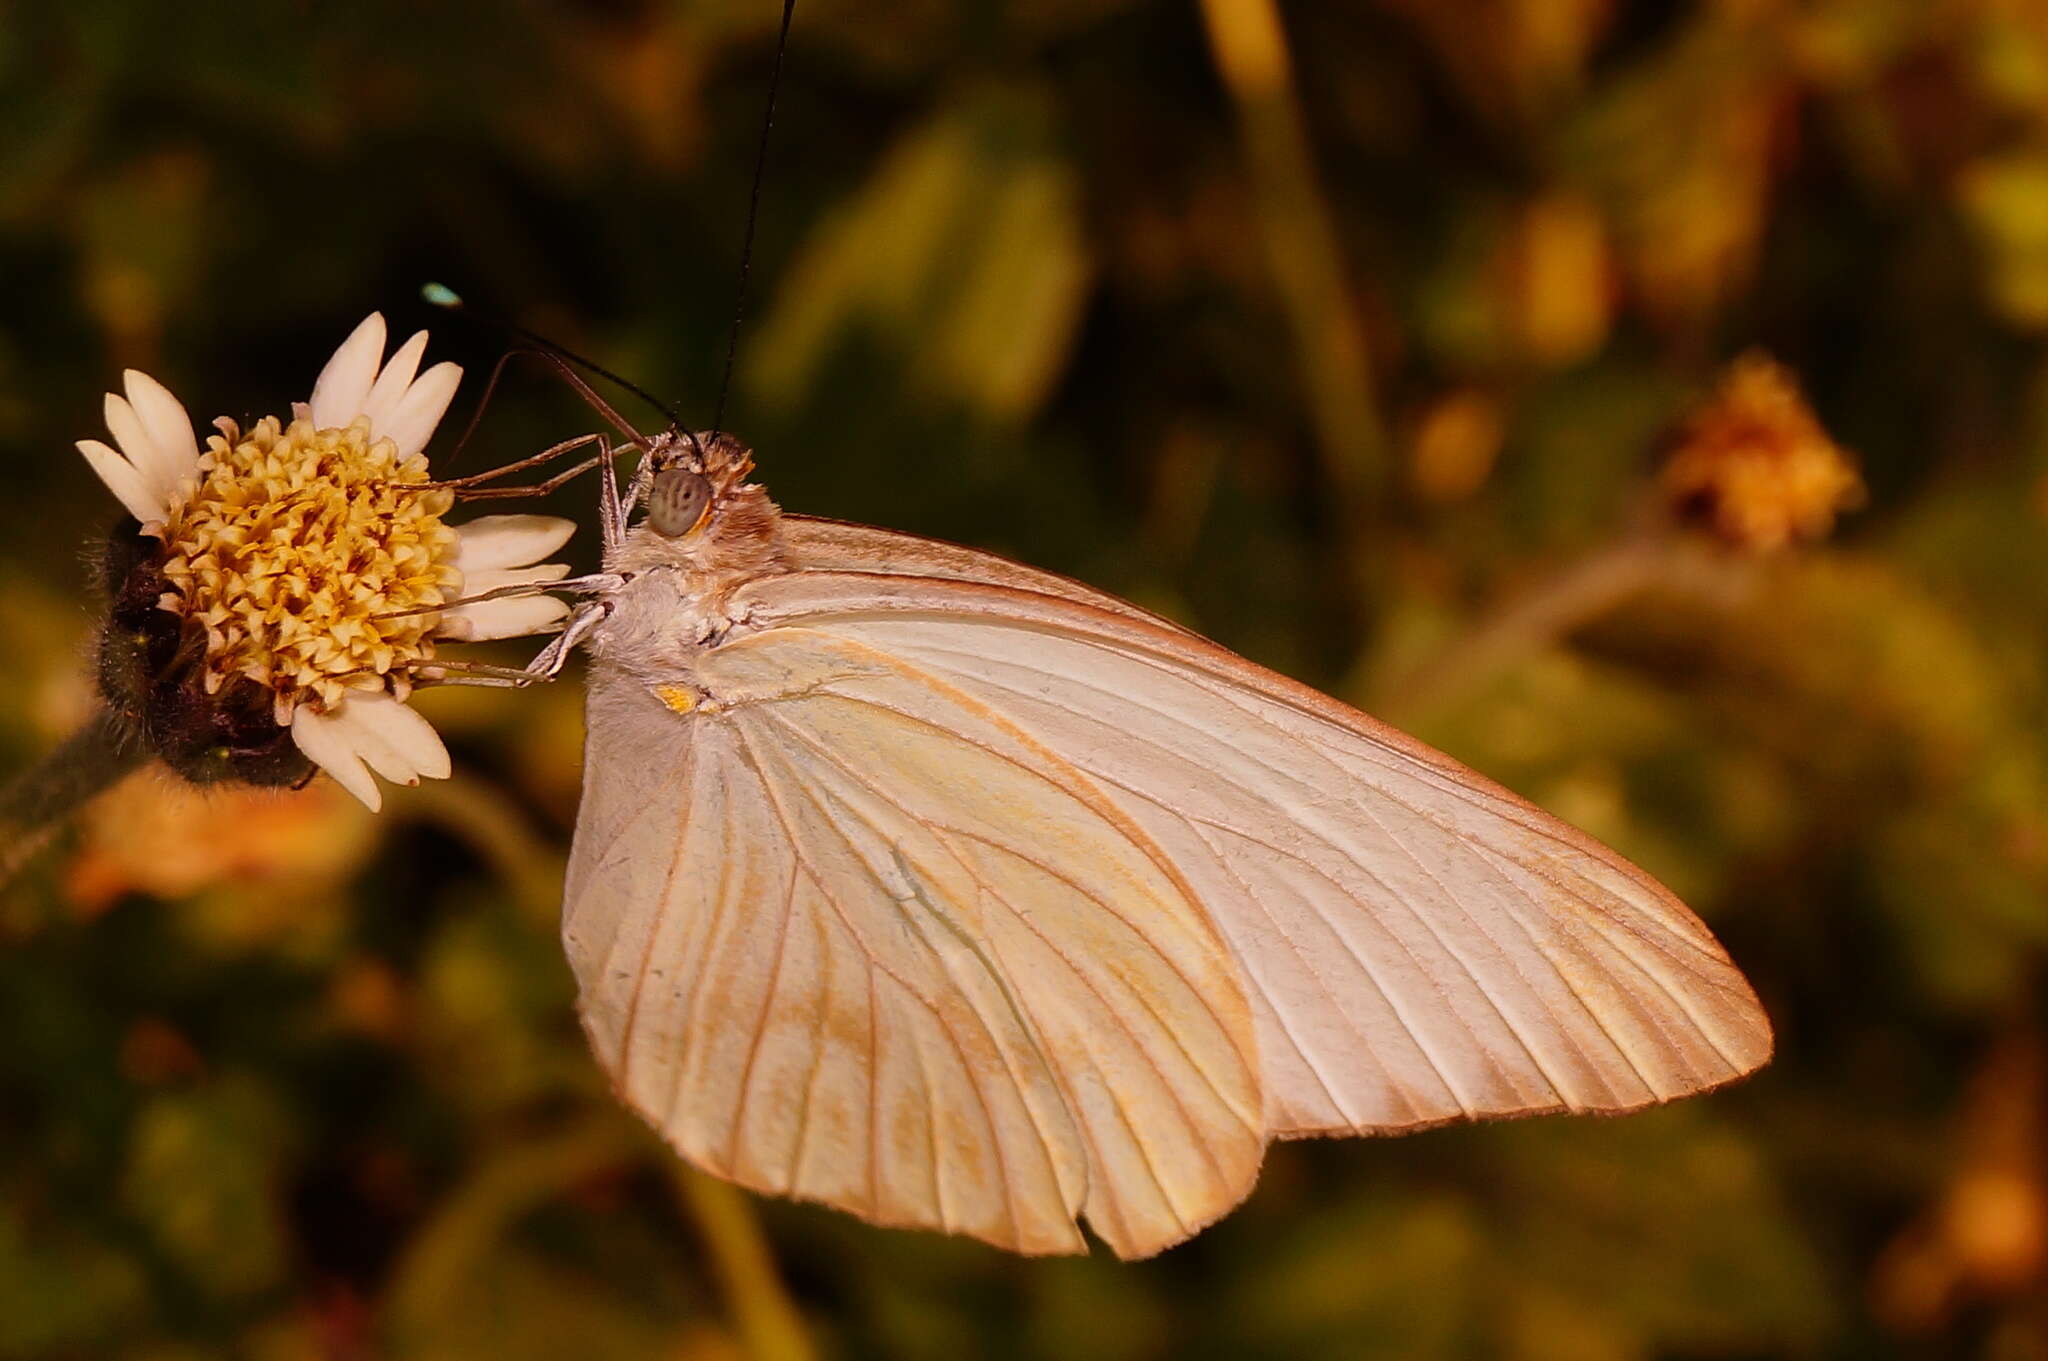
[(958, 895)]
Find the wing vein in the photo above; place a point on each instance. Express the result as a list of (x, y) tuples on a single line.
[(1337, 1102), (1117, 1098), (1389, 759), (699, 993), (1052, 872), (931, 1131), (1614, 943), (1025, 1028), (1490, 861), (1458, 956), (1464, 1103), (937, 1014), (803, 1110), (668, 888), (768, 995), (1142, 843)]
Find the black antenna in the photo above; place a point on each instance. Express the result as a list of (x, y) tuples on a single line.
[(732, 343), (440, 295)]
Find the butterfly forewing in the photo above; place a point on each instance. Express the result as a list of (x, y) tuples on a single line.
[(1419, 944), (823, 545)]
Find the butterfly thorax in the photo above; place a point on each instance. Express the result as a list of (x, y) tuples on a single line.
[(658, 624), (677, 598)]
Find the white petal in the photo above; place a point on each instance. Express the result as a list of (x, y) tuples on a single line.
[(509, 540), (399, 744), (328, 743), (421, 409), (133, 439), (382, 403), (157, 469), (342, 387), (170, 429), (124, 481), (514, 618)]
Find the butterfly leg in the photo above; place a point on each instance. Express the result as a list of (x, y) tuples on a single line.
[(604, 459), (643, 482), (595, 583), (611, 511), (467, 485), (548, 663), (457, 671)]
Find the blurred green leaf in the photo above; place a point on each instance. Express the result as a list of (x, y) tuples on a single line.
[(494, 1002), (963, 254), (2006, 200), (1398, 1277), (483, 1278), (203, 1177), (60, 1290), (1670, 1226)]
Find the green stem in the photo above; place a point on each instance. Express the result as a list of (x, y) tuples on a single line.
[(762, 1312), (38, 800), (1532, 621), (1307, 261)]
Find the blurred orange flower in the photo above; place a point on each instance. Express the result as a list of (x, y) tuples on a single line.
[(156, 835), (1986, 1234), (1753, 465)]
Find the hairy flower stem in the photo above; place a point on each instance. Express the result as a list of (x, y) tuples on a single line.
[(36, 801)]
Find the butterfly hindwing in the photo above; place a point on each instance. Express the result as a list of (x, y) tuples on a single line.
[(841, 933)]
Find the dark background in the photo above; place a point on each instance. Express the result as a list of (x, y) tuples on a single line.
[(1337, 365)]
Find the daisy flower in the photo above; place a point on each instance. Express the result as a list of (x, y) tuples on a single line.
[(286, 584)]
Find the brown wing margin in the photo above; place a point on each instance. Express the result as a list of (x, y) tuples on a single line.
[(821, 545)]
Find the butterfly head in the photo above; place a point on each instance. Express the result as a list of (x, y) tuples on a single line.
[(695, 477), (702, 512)]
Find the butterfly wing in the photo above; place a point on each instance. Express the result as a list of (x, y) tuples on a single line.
[(1419, 945), (823, 545), (843, 933)]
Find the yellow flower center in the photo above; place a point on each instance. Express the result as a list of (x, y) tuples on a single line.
[(312, 568)]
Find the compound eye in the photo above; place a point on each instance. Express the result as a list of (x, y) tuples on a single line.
[(677, 503)]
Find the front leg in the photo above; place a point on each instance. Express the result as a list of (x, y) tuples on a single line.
[(546, 665), (643, 482), (551, 659), (611, 510)]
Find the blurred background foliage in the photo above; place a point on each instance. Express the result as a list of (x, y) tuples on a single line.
[(1355, 335)]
